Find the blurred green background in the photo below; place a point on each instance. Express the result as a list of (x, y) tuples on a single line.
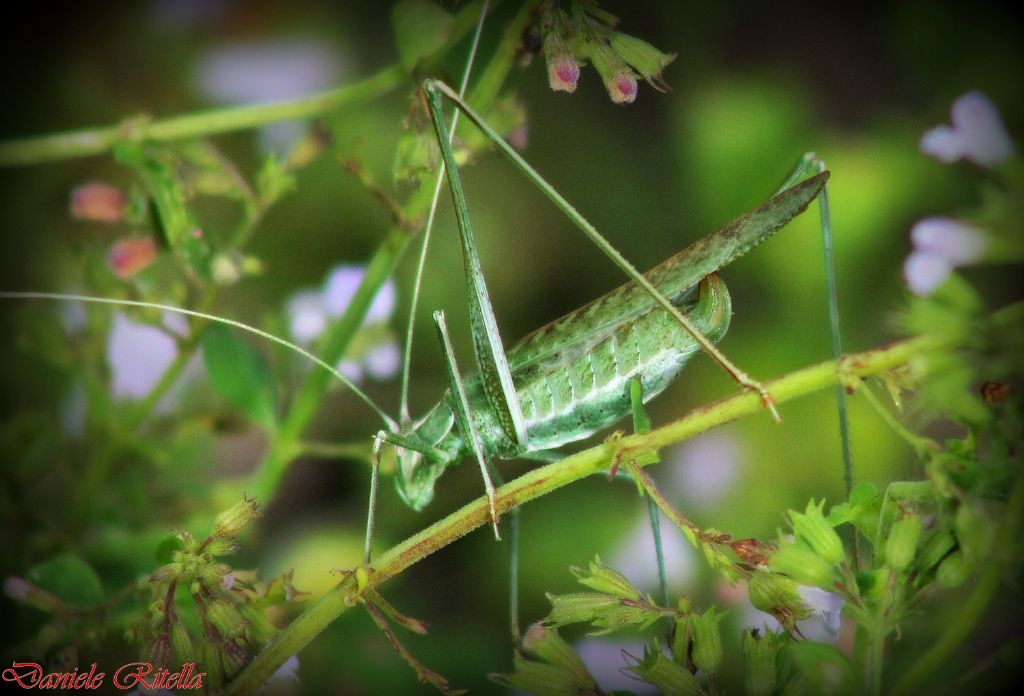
[(753, 89)]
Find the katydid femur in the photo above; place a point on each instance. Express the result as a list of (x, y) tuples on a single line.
[(571, 378)]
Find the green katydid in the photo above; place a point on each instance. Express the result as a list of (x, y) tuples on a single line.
[(569, 379)]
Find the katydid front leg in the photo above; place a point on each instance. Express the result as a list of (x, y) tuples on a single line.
[(463, 414)]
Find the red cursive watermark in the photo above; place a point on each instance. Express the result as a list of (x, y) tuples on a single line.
[(31, 675)]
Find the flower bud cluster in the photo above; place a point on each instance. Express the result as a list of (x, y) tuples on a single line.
[(587, 33), (233, 625)]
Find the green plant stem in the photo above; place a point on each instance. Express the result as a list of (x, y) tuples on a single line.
[(547, 479), (58, 146), (961, 626)]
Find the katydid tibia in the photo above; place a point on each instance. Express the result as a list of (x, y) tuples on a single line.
[(570, 379)]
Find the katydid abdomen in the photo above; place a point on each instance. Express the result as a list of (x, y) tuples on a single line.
[(569, 391)]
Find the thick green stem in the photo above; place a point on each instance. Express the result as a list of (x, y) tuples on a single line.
[(546, 479)]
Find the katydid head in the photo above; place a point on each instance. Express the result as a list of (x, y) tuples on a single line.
[(424, 450)]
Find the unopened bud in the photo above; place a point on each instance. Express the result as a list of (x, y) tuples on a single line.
[(604, 579), (645, 58), (232, 521), (752, 551), (707, 641), (901, 545), (129, 256), (803, 565), (222, 547), (181, 640), (563, 68), (547, 645), (759, 651), (619, 80), (668, 676), (98, 202), (777, 595), (815, 530), (225, 269), (160, 653), (224, 616)]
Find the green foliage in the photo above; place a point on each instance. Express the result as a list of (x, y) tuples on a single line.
[(239, 373), (421, 29), (70, 579)]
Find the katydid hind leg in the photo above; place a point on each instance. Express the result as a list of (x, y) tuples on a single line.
[(495, 374)]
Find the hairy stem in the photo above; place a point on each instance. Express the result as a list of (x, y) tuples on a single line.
[(547, 479)]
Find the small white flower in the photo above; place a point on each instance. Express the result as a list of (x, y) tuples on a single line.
[(306, 316), (289, 671), (977, 134), (382, 360), (310, 310), (351, 369), (925, 272), (955, 241), (227, 582), (827, 608), (940, 245), (138, 355), (823, 625)]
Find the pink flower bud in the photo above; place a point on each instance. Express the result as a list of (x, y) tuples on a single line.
[(129, 256), (619, 80), (97, 201)]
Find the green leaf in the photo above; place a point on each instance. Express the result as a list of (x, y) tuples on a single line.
[(69, 578), (824, 669), (239, 374), (421, 29)]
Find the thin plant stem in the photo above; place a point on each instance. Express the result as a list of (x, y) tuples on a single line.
[(95, 141), (546, 479), (920, 444)]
